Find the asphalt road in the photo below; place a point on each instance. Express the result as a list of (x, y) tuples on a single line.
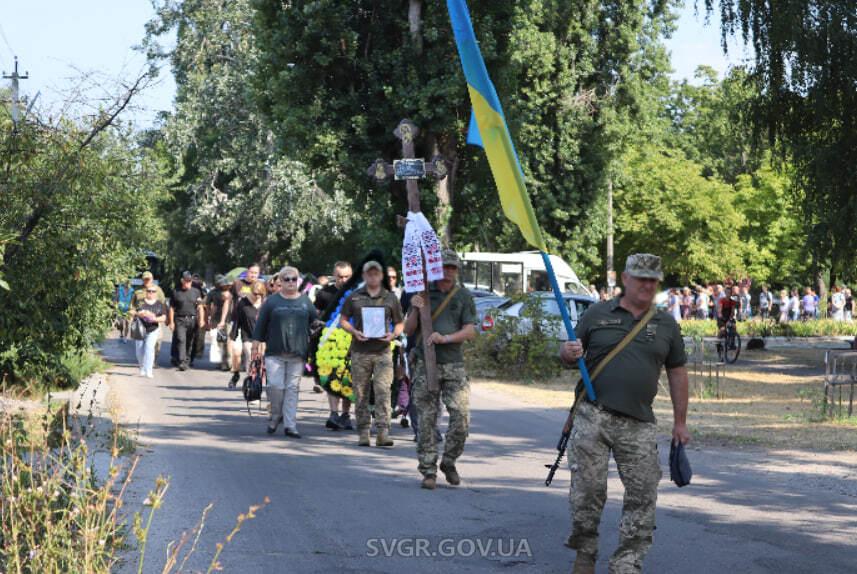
[(335, 507)]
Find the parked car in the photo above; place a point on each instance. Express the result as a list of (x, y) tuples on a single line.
[(485, 307), (512, 310)]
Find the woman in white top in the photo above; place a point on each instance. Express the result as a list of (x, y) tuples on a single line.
[(837, 302), (785, 306)]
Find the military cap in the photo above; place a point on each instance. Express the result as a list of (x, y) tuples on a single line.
[(450, 257), (644, 266)]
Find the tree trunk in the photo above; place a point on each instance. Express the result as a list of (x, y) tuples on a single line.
[(822, 293), (415, 9), (445, 190)]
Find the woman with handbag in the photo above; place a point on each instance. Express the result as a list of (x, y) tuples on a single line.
[(148, 315), (246, 313), (282, 334)]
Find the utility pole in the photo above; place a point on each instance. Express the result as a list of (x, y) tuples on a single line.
[(15, 76), (611, 272)]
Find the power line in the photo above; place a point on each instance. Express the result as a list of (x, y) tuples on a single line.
[(6, 41)]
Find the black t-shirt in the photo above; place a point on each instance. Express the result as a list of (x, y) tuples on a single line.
[(185, 301), (157, 308), (245, 320), (215, 299)]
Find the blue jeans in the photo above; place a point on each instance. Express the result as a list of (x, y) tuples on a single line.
[(146, 352)]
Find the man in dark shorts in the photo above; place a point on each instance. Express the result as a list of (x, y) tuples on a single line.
[(218, 308), (186, 314)]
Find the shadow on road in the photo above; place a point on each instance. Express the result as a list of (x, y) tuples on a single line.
[(332, 502)]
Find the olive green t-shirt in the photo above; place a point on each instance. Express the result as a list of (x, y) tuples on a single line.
[(629, 383), (352, 309), (460, 311), (140, 294)]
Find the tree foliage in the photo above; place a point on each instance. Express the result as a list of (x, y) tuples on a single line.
[(78, 205), (233, 193), (702, 195), (334, 79), (804, 75)]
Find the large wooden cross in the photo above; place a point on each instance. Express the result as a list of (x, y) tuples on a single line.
[(411, 170)]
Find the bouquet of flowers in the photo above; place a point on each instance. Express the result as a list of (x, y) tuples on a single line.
[(333, 364)]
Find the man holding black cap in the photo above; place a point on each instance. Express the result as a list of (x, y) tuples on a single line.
[(621, 420), (186, 314)]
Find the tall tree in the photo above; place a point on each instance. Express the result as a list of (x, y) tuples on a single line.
[(805, 71), (235, 198), (335, 77)]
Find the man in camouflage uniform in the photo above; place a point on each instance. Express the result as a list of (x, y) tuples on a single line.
[(621, 420), (454, 325), (372, 358)]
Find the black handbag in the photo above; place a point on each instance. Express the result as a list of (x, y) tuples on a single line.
[(222, 336), (255, 380), (138, 330)]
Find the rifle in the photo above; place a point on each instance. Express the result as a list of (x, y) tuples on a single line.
[(562, 445)]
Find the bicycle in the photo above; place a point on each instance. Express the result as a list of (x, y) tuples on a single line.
[(729, 343)]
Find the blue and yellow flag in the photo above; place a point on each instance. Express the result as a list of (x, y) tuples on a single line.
[(492, 129), (497, 142)]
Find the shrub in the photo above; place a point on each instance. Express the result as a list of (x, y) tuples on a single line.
[(770, 328), (57, 516), (524, 347)]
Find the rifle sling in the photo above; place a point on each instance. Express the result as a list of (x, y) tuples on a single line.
[(615, 351)]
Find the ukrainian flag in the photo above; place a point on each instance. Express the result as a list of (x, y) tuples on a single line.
[(492, 129)]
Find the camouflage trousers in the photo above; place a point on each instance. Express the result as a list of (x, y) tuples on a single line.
[(595, 435), (372, 371), (455, 394)]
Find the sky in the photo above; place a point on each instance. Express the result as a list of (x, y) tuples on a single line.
[(59, 41)]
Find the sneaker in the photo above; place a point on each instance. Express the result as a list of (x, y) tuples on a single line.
[(345, 421), (142, 373), (317, 389), (150, 375), (292, 433), (450, 474), (182, 367), (234, 380), (273, 427), (333, 422), (429, 483)]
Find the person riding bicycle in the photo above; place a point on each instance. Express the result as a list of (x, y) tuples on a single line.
[(727, 308)]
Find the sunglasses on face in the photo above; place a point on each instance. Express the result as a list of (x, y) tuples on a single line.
[(289, 279), (151, 290)]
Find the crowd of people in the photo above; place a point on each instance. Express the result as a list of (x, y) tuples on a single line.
[(724, 301), (274, 325)]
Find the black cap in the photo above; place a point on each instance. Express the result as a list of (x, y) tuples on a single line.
[(187, 276)]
